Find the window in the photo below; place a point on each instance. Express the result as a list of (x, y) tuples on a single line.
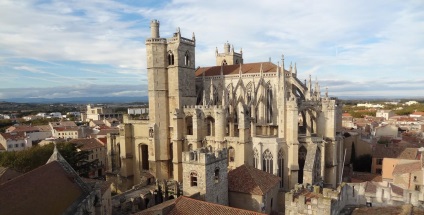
[(22, 144), (379, 161), (255, 158), (417, 188), (216, 175), (267, 162), (187, 59), (378, 171), (193, 179), (415, 178), (281, 167), (353, 191), (231, 154), (170, 58), (16, 145), (10, 145)]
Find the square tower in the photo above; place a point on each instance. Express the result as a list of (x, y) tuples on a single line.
[(205, 174)]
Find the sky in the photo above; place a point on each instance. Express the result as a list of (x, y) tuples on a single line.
[(96, 48)]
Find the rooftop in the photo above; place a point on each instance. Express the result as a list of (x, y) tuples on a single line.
[(267, 67), (248, 179)]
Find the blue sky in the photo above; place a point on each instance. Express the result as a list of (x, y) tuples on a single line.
[(77, 48)]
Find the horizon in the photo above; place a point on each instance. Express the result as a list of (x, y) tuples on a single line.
[(58, 49)]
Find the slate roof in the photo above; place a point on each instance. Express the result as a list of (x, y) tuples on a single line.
[(407, 168), (88, 143), (248, 179), (267, 67), (48, 189)]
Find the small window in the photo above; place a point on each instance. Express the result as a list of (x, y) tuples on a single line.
[(16, 145), (193, 179), (216, 175), (378, 171), (379, 161), (415, 178), (10, 145), (22, 144)]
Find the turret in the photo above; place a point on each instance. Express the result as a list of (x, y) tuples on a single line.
[(154, 28)]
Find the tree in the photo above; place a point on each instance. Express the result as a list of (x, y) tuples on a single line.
[(363, 163), (29, 159)]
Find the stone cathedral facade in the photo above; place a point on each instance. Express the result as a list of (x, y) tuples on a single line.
[(259, 113)]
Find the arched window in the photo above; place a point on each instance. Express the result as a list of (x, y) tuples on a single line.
[(210, 125), (281, 167), (224, 62), (189, 125), (267, 162), (216, 175), (193, 179), (144, 157), (255, 158), (231, 154), (187, 58), (170, 58)]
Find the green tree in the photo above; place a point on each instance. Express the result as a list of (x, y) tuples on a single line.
[(29, 159), (363, 163)]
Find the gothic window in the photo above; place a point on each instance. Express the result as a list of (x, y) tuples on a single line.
[(269, 104), (281, 167), (190, 147), (317, 169), (216, 175), (187, 58), (255, 158), (249, 92), (171, 157), (170, 58), (231, 154), (189, 124), (193, 179), (237, 62), (267, 162), (224, 62), (210, 125)]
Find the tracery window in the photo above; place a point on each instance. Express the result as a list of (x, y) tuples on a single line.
[(267, 162), (255, 158), (269, 104)]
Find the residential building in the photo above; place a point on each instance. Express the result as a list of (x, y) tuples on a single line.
[(97, 151), (386, 114), (15, 141)]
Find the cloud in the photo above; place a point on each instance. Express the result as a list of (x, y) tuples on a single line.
[(355, 46)]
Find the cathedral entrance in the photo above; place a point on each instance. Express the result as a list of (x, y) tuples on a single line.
[(301, 161)]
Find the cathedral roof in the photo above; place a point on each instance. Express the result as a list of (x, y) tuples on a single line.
[(267, 67), (248, 179), (48, 189)]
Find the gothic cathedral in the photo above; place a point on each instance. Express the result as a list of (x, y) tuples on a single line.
[(259, 113)]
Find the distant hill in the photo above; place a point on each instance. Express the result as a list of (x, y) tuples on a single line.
[(85, 100)]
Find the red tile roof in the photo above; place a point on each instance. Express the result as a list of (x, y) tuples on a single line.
[(13, 136), (267, 67), (185, 205), (381, 151), (358, 177), (396, 190), (88, 143), (48, 189), (407, 168), (248, 179)]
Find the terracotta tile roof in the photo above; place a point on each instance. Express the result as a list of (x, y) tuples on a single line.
[(66, 128), (358, 177), (7, 174), (48, 189), (185, 205), (407, 168), (381, 151), (13, 136), (43, 127), (25, 128), (370, 187), (396, 190), (63, 124), (166, 207), (88, 143), (267, 67), (107, 131), (248, 179)]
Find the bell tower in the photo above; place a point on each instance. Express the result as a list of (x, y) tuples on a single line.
[(171, 85)]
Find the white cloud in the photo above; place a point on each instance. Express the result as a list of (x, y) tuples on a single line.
[(102, 41)]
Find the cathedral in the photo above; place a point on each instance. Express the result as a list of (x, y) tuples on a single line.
[(259, 114)]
